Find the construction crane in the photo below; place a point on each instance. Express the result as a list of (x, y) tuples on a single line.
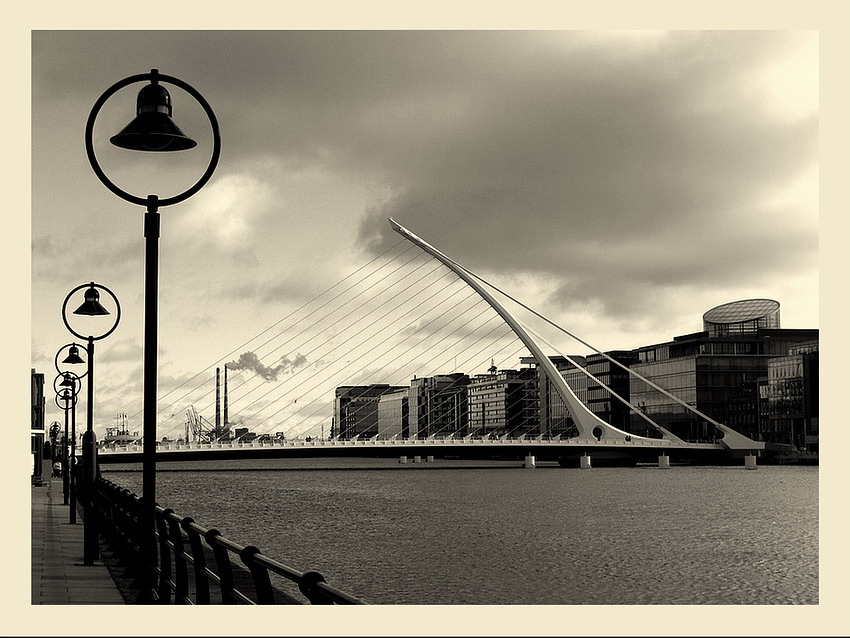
[(200, 429)]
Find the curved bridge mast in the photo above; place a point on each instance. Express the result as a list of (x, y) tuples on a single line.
[(589, 424)]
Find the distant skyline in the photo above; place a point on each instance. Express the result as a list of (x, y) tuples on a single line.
[(622, 183)]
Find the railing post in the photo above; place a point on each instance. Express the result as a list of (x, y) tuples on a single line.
[(307, 586), (262, 583), (222, 566), (199, 559), (131, 513), (165, 576), (181, 571)]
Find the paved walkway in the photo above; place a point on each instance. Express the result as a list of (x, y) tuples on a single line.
[(58, 574)]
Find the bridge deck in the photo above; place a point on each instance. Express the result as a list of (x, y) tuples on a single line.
[(401, 447)]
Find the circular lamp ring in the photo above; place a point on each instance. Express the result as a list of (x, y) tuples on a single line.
[(78, 384), (59, 352), (71, 399), (148, 77), (77, 334)]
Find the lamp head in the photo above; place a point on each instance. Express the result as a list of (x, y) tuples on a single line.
[(153, 129), (91, 306), (73, 357), (68, 381)]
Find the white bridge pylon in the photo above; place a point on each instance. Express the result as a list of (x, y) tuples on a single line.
[(589, 424)]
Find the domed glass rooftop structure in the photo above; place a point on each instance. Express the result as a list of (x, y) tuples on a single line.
[(740, 317)]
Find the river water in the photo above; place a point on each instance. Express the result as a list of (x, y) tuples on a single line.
[(491, 532)]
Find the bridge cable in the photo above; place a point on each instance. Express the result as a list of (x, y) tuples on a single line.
[(400, 330), (303, 306)]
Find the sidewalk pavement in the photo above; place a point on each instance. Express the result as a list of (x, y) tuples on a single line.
[(59, 576)]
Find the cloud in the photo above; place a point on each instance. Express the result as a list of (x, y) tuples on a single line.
[(226, 215), (616, 176), (250, 361), (123, 350)]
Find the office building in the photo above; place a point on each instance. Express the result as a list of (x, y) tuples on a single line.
[(438, 405), (393, 415), (717, 371), (356, 410), (504, 403)]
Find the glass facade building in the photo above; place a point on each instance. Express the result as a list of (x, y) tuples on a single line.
[(719, 372), (438, 405), (356, 410), (504, 403), (739, 317), (393, 415), (792, 399)]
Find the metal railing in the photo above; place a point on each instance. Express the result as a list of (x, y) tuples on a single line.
[(191, 558)]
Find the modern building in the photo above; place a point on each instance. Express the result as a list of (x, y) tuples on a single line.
[(393, 415), (717, 371), (504, 403), (438, 405), (356, 410), (792, 400), (554, 417), (37, 433)]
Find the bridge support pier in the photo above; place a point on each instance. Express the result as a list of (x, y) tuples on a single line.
[(585, 461), (664, 461), (530, 461), (417, 459), (429, 459), (750, 462), (402, 459)]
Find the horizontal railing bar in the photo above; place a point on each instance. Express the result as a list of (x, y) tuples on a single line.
[(278, 568), (183, 532)]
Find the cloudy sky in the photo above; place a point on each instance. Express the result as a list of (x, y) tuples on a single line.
[(620, 182)]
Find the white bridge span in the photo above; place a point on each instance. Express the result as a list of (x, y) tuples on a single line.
[(390, 447)]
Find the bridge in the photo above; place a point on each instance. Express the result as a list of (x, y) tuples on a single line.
[(592, 437), (568, 452)]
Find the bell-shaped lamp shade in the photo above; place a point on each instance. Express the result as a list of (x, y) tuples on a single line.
[(91, 306), (73, 357), (153, 129), (68, 380)]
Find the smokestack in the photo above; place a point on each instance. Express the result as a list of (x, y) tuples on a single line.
[(217, 403), (225, 396)]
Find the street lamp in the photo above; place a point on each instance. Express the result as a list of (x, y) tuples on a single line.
[(55, 428), (73, 358), (91, 307), (67, 390), (151, 130)]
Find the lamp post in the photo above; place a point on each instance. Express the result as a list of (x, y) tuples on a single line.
[(55, 427), (151, 130), (91, 307), (66, 400), (61, 399), (70, 383)]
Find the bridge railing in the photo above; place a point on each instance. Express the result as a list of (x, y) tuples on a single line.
[(424, 442), (191, 558)]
